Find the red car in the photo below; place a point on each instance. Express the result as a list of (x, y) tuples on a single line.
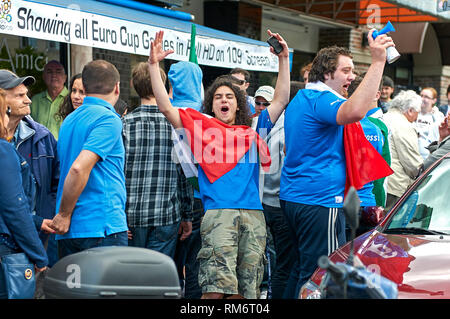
[(411, 245)]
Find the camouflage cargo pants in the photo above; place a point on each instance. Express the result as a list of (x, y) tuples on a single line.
[(232, 255)]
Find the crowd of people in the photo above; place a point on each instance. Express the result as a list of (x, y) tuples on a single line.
[(212, 178)]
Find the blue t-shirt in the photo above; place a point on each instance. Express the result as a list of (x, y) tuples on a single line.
[(375, 137), (314, 168), (238, 188), (100, 209)]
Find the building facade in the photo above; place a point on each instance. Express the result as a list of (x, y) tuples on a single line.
[(229, 34)]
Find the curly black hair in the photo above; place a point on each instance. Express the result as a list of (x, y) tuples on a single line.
[(243, 116), (326, 61)]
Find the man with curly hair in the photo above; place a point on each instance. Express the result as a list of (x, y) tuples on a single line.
[(313, 177), (233, 229)]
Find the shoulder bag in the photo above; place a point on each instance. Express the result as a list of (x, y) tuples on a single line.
[(19, 276)]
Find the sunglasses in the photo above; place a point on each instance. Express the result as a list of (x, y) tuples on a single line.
[(8, 111), (238, 81), (263, 103)]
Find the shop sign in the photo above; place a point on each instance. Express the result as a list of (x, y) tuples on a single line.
[(41, 21)]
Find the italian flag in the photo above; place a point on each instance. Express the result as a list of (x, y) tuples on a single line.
[(363, 163), (215, 146)]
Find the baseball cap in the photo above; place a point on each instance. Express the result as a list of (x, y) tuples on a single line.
[(266, 92), (387, 81), (9, 80)]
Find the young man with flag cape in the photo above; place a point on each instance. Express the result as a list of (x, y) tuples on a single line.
[(228, 152), (326, 152)]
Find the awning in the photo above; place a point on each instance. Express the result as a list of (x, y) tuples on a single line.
[(409, 37), (380, 12), (443, 36), (107, 26), (362, 12)]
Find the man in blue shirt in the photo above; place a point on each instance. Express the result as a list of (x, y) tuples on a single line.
[(91, 193), (313, 176)]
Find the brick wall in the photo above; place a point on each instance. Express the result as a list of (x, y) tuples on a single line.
[(339, 37), (440, 83), (356, 40), (348, 38), (445, 82), (361, 68)]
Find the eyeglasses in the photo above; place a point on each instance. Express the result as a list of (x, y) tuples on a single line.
[(263, 103), (8, 111), (426, 97)]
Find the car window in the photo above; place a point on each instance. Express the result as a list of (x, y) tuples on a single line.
[(428, 206)]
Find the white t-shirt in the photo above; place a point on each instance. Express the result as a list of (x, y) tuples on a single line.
[(427, 126)]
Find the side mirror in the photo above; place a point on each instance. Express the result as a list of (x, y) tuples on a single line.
[(351, 211), (351, 208)]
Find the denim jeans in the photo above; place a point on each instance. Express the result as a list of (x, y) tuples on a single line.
[(160, 238), (52, 250), (75, 245), (4, 250), (186, 256), (284, 251)]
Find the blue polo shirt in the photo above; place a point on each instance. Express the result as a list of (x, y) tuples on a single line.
[(100, 209), (314, 168)]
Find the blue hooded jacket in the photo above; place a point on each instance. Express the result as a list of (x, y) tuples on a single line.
[(38, 147), (186, 80)]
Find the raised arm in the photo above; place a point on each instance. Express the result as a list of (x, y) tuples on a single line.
[(157, 54), (282, 88), (357, 106)]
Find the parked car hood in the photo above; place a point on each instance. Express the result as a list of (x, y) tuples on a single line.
[(418, 264)]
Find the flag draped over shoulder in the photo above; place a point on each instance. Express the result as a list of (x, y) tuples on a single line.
[(363, 163), (183, 156), (216, 146)]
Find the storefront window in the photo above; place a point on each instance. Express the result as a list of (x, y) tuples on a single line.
[(28, 56)]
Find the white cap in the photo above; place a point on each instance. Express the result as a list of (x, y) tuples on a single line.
[(266, 92)]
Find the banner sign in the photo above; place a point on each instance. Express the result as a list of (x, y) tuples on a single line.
[(70, 25)]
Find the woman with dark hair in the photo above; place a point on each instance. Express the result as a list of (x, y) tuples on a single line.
[(74, 99), (17, 230), (233, 229)]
